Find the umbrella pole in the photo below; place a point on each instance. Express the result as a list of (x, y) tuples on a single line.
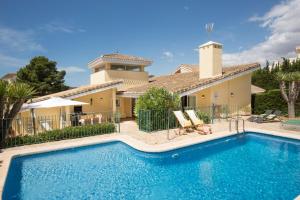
[(33, 121), (60, 118)]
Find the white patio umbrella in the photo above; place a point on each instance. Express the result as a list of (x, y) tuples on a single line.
[(50, 103)]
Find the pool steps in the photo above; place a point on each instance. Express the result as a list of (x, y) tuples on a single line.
[(236, 120)]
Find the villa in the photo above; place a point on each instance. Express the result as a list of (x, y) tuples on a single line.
[(155, 166), (79, 124), (116, 80)]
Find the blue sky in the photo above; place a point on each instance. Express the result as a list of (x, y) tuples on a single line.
[(74, 32)]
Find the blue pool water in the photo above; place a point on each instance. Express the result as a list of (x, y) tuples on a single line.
[(250, 166)]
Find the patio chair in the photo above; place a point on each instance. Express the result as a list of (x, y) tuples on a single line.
[(45, 124), (270, 118), (185, 125), (86, 121), (261, 116), (97, 119), (198, 123)]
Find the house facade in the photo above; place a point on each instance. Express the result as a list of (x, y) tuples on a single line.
[(116, 80), (206, 83)]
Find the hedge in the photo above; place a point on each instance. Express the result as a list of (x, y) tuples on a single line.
[(60, 134), (272, 99)]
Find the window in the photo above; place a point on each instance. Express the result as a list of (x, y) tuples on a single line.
[(133, 68), (118, 67), (188, 101), (77, 109), (118, 102), (97, 69), (126, 68), (192, 101)]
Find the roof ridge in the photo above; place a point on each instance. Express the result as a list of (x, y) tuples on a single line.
[(78, 90), (182, 82)]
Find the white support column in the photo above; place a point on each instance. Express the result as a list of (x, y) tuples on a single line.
[(114, 97)]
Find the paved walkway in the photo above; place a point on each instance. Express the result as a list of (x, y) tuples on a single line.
[(159, 137)]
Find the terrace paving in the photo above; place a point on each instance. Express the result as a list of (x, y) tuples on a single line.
[(151, 142), (160, 137)]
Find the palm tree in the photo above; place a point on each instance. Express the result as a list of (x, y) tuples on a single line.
[(289, 82), (12, 97)]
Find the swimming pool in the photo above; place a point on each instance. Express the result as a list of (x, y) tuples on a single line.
[(249, 166)]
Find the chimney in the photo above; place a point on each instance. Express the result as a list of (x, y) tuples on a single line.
[(210, 56), (298, 52)]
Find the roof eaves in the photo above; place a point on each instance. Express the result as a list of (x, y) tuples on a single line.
[(68, 94), (211, 82)]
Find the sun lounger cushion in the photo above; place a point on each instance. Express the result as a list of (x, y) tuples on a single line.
[(192, 115), (182, 120)]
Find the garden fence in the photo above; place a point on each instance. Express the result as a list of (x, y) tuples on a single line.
[(34, 129), (164, 119)]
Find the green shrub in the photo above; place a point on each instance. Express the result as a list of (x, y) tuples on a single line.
[(205, 117), (154, 110), (157, 99), (265, 78), (60, 134), (272, 100)]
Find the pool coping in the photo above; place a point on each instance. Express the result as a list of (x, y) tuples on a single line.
[(10, 153)]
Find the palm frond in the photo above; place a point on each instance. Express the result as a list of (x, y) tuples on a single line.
[(288, 76), (20, 91)]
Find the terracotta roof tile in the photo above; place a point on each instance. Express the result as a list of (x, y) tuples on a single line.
[(9, 76), (191, 67), (116, 57), (183, 82), (123, 57), (78, 90)]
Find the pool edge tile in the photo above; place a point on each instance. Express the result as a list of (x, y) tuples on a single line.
[(9, 154)]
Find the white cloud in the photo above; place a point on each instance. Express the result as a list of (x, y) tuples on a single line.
[(72, 69), (167, 55), (8, 61), (19, 40), (282, 21), (61, 27)]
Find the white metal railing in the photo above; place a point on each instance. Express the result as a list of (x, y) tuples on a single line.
[(236, 120)]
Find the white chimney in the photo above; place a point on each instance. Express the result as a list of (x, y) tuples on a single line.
[(298, 52), (210, 56)]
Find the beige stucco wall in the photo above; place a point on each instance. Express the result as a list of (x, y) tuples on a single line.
[(101, 101), (49, 115), (125, 107), (98, 77), (221, 94), (130, 77), (210, 61)]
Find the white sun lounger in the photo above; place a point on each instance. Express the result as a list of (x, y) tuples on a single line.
[(198, 123), (184, 123)]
